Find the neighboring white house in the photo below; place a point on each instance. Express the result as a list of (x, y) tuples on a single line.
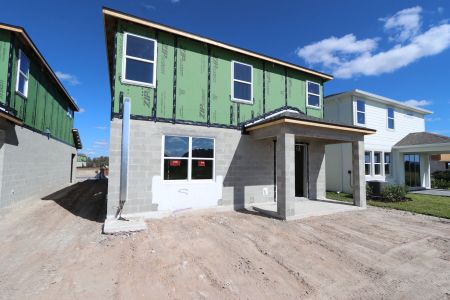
[(398, 153)]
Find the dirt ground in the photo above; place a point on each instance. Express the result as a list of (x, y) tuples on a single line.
[(54, 249)]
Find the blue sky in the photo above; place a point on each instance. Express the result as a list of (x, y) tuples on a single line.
[(398, 49)]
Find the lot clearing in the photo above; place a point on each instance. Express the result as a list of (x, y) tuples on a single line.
[(54, 249)]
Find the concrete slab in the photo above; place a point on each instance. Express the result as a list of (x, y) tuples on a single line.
[(308, 208), (114, 226), (434, 192)]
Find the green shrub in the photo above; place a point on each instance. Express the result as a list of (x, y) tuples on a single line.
[(442, 175), (369, 191), (394, 193), (440, 183)]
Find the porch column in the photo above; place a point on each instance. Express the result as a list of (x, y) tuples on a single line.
[(285, 172), (359, 178)]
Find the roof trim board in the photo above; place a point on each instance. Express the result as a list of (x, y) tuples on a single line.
[(120, 15), (10, 118), (380, 99), (27, 38)]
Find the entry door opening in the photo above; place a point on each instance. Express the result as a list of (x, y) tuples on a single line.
[(412, 170), (301, 183)]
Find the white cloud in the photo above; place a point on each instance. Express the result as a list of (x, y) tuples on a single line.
[(69, 78), (347, 56), (440, 9), (174, 1), (405, 23), (148, 6), (417, 103), (81, 110), (101, 127), (431, 119), (100, 144), (326, 51)]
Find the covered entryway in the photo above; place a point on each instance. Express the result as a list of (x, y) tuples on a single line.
[(300, 158)]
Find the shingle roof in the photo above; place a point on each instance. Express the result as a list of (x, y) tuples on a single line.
[(423, 138)]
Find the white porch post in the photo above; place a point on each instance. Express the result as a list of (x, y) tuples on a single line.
[(359, 178), (285, 156)]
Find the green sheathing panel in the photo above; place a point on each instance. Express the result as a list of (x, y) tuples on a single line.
[(141, 97), (164, 75), (192, 81), (32, 98), (5, 38), (275, 86), (281, 85)]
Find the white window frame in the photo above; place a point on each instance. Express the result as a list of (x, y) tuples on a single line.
[(19, 72), (388, 118), (379, 163), (242, 81), (355, 115), (310, 93), (125, 56), (368, 163), (69, 112), (389, 163), (189, 159)]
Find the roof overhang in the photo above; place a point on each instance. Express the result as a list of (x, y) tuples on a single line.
[(108, 12), (435, 148), (380, 99), (312, 125), (10, 118), (26, 38)]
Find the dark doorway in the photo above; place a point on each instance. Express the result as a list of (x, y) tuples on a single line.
[(300, 170)]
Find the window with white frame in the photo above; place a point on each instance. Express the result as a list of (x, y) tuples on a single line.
[(360, 116), (188, 158), (390, 118), (242, 83), (139, 60), (23, 71), (387, 163), (368, 162), (69, 112), (377, 163), (313, 94)]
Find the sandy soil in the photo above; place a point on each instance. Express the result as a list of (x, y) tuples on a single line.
[(53, 249)]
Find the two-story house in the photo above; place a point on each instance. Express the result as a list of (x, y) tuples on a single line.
[(398, 153), (37, 140), (199, 123)]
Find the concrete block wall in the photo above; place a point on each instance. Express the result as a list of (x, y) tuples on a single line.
[(31, 165), (317, 176), (244, 165)]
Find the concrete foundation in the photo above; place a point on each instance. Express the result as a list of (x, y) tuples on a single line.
[(32, 165)]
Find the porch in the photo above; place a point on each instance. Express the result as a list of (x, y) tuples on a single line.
[(300, 163)]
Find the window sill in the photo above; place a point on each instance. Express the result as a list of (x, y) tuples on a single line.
[(313, 107), (137, 83), (248, 102), (21, 95)]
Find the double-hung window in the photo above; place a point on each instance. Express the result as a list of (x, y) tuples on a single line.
[(390, 118), (139, 60), (360, 116), (313, 94), (23, 71), (242, 83), (377, 163), (387, 163), (188, 158), (368, 162), (69, 112)]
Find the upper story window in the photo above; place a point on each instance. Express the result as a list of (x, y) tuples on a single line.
[(390, 118), (360, 116), (139, 60), (242, 83), (313, 94), (188, 158), (23, 71)]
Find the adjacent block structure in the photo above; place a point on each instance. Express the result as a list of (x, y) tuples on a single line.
[(37, 145), (211, 124)]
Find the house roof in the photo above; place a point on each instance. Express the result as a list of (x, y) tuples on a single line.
[(111, 13), (422, 138), (290, 115), (27, 40), (380, 99)]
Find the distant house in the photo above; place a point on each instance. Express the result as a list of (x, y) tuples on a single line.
[(400, 151), (200, 123), (37, 140), (81, 160)]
